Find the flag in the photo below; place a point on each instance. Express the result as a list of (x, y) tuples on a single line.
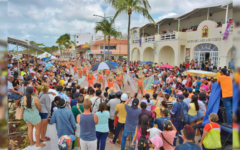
[(46, 59), (227, 30)]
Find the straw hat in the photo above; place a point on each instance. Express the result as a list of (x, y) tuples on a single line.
[(112, 89)]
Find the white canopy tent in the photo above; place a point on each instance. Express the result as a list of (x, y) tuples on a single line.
[(46, 54)]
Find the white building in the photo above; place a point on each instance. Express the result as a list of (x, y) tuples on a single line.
[(83, 38), (203, 41)]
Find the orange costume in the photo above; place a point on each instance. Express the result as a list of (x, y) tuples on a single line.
[(100, 78), (90, 79), (84, 71), (107, 72), (140, 84), (79, 71), (119, 80), (110, 84)]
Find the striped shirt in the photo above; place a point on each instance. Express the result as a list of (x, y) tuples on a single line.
[(170, 104)]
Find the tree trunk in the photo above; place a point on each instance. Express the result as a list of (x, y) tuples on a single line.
[(129, 21), (108, 47)]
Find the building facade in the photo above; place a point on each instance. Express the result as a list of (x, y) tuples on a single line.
[(118, 49), (197, 35)]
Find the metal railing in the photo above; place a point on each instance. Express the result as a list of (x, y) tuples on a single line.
[(168, 36), (149, 38)]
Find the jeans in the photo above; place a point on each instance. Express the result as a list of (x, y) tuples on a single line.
[(124, 137), (179, 126), (101, 137), (111, 125), (117, 130), (152, 122), (227, 102)]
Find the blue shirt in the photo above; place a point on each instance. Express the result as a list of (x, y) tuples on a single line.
[(63, 96), (102, 125), (73, 102), (132, 117), (156, 82), (133, 75), (187, 100), (188, 146), (198, 84), (65, 121), (177, 108), (231, 64), (158, 121)]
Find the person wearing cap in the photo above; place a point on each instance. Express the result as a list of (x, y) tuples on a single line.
[(132, 119), (190, 92), (88, 122), (188, 135), (165, 115), (122, 113), (64, 119), (227, 93), (62, 95), (112, 105), (168, 134), (176, 112), (13, 94)]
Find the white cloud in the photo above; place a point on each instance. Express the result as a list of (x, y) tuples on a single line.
[(171, 14)]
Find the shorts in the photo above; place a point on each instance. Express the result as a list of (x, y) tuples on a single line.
[(14, 96), (192, 118), (43, 116), (77, 132), (200, 114)]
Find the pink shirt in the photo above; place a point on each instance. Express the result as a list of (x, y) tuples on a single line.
[(169, 136), (205, 87)]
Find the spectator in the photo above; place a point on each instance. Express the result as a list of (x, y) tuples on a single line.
[(64, 119), (227, 93), (165, 116), (186, 99), (169, 103), (145, 112), (188, 135), (133, 113), (54, 105), (148, 102), (190, 94), (112, 105), (75, 100), (192, 112), (178, 122), (141, 129), (198, 84), (31, 116), (154, 141), (215, 127), (122, 114), (102, 126), (96, 101), (168, 134), (13, 94), (76, 110), (87, 121), (45, 111), (63, 95)]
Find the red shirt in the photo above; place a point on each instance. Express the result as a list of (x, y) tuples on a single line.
[(215, 126)]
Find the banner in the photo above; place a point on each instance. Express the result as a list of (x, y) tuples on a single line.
[(46, 59), (187, 54), (205, 31), (227, 30)]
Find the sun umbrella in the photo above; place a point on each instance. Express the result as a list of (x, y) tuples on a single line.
[(167, 66), (102, 66)]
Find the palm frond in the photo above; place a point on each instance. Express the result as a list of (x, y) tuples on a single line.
[(144, 12)]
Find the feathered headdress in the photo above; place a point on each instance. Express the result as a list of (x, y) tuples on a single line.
[(140, 74), (111, 76)]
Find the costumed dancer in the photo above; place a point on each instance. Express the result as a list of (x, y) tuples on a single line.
[(80, 71), (140, 82), (90, 78), (100, 79), (110, 80), (119, 79), (84, 69)]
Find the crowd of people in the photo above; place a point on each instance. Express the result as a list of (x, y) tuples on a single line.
[(88, 107)]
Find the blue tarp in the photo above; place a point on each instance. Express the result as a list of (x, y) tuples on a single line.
[(114, 63), (235, 97), (213, 103), (146, 62)]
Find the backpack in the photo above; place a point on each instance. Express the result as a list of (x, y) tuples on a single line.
[(183, 115), (141, 141)]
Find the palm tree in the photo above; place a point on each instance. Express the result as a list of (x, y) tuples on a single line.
[(65, 40), (129, 6), (106, 28)]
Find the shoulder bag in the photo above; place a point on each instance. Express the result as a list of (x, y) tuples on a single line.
[(152, 109), (166, 140)]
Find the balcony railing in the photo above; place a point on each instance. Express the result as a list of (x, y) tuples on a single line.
[(149, 38), (136, 41), (168, 36)]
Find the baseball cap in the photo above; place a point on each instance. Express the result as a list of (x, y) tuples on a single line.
[(143, 105), (166, 124), (224, 71), (65, 141), (29, 78), (180, 96), (124, 97), (62, 103), (204, 77), (190, 89), (199, 77), (76, 95), (135, 103)]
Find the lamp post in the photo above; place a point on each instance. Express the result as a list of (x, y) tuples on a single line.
[(103, 35)]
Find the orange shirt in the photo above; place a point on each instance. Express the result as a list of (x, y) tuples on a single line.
[(226, 85)]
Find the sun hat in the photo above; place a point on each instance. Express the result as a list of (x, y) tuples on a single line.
[(112, 89)]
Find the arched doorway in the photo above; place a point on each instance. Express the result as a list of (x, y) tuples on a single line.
[(135, 54), (205, 52), (148, 54), (230, 55), (166, 55)]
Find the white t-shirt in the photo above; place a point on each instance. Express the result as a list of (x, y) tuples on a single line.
[(10, 86), (69, 85), (148, 104), (184, 82)]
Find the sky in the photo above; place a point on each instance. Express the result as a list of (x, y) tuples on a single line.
[(43, 21)]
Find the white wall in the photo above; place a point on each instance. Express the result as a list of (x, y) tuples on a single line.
[(82, 38)]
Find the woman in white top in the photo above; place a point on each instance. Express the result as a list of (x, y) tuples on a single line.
[(148, 102)]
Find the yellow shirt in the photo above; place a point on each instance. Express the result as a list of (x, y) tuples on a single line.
[(158, 104), (61, 82), (157, 111), (192, 111), (122, 113)]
